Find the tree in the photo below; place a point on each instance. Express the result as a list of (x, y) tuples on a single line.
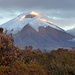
[(1, 30)]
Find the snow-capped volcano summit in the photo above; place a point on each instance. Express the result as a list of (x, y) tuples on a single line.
[(35, 30), (34, 19)]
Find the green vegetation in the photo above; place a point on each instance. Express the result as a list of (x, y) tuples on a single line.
[(14, 61)]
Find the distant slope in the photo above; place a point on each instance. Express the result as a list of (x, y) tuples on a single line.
[(36, 30), (71, 31), (44, 38)]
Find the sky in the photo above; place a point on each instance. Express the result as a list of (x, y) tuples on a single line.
[(60, 12)]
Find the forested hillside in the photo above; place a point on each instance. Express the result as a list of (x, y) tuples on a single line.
[(14, 61)]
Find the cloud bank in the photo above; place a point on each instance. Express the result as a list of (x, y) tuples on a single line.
[(61, 12)]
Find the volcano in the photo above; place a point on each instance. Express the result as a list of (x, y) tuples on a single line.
[(34, 19), (35, 30)]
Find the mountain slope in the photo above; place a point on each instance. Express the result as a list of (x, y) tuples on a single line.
[(33, 29), (44, 38), (34, 19), (71, 31)]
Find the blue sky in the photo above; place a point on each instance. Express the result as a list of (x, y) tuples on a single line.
[(61, 12)]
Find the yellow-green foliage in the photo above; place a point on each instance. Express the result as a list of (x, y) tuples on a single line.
[(19, 68), (3, 70)]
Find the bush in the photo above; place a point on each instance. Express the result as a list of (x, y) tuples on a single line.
[(1, 30)]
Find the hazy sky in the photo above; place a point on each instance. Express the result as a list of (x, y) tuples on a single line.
[(61, 12)]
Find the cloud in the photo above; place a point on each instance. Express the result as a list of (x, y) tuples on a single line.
[(45, 4), (61, 12)]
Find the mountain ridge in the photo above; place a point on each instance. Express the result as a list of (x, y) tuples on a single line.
[(71, 31), (33, 18), (45, 38), (32, 29)]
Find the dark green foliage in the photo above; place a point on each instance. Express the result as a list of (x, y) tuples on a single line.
[(1, 30)]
